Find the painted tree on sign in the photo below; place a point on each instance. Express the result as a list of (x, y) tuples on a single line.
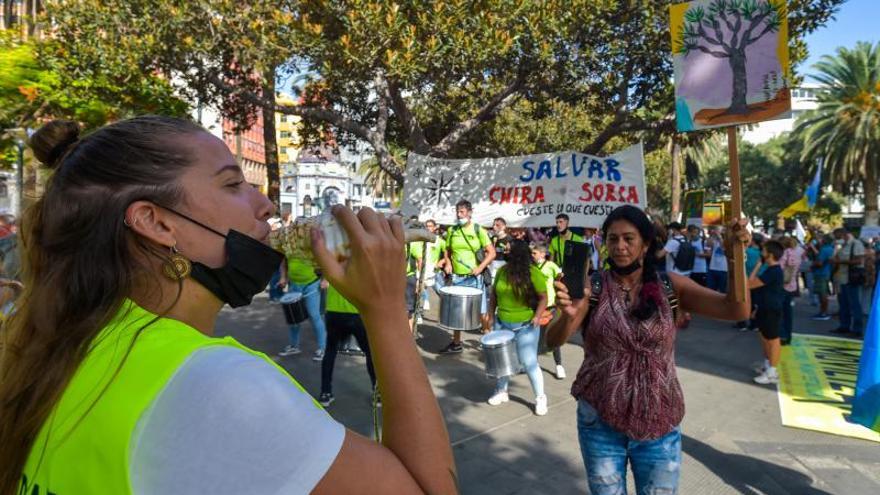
[(725, 30)]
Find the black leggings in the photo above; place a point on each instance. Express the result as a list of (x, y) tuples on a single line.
[(340, 326), (557, 356)]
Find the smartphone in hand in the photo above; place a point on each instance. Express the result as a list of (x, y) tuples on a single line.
[(574, 267)]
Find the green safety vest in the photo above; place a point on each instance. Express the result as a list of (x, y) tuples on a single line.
[(77, 453)]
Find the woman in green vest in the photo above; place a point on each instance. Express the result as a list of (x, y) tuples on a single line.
[(520, 296), (110, 378)]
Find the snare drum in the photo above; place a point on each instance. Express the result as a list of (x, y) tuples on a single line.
[(499, 351), (460, 307), (294, 308)]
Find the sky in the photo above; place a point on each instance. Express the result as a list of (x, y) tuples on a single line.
[(856, 20)]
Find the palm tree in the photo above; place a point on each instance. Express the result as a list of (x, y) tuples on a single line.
[(378, 179), (844, 131)]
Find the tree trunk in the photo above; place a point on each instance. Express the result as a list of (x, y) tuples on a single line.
[(738, 103), (273, 175), (676, 180), (870, 188)]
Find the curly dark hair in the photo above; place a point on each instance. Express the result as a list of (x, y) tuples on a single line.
[(518, 272)]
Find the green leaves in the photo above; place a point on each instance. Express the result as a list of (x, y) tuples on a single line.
[(844, 130)]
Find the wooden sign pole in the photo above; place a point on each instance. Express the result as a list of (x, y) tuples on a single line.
[(739, 256)]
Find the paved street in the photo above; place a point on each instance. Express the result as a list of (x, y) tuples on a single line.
[(733, 440)]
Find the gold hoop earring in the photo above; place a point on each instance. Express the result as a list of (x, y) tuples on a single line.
[(177, 267)]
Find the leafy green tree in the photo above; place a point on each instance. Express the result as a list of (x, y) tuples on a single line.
[(844, 131), (33, 88), (773, 177), (420, 74)]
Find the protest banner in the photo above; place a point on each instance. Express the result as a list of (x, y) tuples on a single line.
[(527, 191), (693, 207), (818, 387), (713, 214)]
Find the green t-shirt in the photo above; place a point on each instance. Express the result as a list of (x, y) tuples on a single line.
[(338, 304), (550, 270), (510, 309), (413, 254), (300, 271), (464, 257), (557, 246), (435, 251)]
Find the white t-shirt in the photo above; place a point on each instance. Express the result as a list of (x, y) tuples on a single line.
[(699, 262), (719, 259), (671, 249), (229, 423)]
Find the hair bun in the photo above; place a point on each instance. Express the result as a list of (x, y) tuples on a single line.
[(53, 140)]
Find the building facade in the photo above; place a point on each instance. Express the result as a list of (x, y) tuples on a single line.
[(803, 99)]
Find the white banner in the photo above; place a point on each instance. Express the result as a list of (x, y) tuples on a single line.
[(527, 191)]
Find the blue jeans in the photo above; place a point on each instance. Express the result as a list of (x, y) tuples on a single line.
[(717, 281), (527, 351), (311, 294), (850, 308), (787, 315), (476, 283), (655, 463)]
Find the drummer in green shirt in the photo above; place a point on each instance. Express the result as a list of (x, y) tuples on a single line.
[(343, 321), (463, 241), (520, 297), (299, 276), (557, 243)]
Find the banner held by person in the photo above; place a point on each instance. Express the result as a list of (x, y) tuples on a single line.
[(527, 191)]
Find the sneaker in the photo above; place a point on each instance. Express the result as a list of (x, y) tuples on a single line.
[(540, 405), (419, 320), (453, 348), (560, 372), (326, 399), (766, 378), (840, 330), (820, 317), (745, 329), (290, 350), (319, 355), (498, 398)]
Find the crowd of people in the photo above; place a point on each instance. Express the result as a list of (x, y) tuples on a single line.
[(122, 292)]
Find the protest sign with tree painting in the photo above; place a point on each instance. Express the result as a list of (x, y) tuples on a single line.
[(750, 37)]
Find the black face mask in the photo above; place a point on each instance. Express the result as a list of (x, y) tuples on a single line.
[(249, 267), (624, 270)]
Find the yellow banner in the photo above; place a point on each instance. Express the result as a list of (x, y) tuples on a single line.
[(817, 380)]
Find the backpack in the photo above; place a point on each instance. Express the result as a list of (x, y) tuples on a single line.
[(684, 258), (668, 290)]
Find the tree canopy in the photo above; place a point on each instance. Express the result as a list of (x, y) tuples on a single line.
[(420, 74), (844, 131)]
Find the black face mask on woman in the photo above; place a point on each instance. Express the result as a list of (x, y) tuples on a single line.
[(624, 270), (249, 267)]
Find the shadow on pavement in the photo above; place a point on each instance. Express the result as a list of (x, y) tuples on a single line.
[(748, 474)]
